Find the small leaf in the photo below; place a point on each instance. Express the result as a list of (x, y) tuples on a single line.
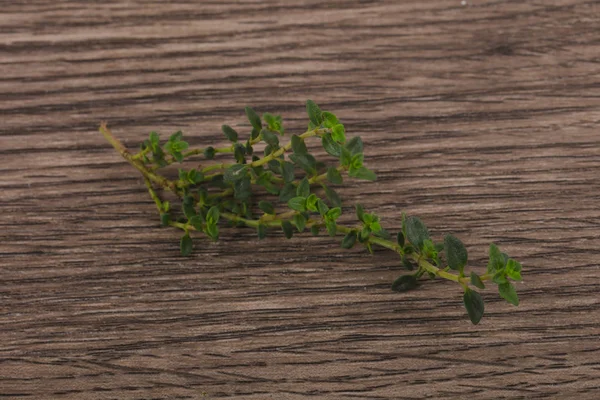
[(305, 161), (416, 232), (235, 173), (496, 260), (197, 221), (297, 203), (212, 230), (314, 112), (287, 228), (287, 171), (287, 192), (298, 145), (338, 133), (303, 188), (362, 173), (186, 245), (476, 281), (405, 283), (349, 240), (508, 293), (330, 145), (266, 207), (314, 230), (474, 305), (300, 222), (354, 145), (322, 207), (253, 118), (513, 270), (239, 153), (230, 133), (270, 138), (311, 202), (331, 227), (329, 119), (332, 196), (209, 152), (400, 239), (345, 157), (334, 176), (212, 216), (456, 253), (360, 213), (261, 230), (334, 213), (165, 218)]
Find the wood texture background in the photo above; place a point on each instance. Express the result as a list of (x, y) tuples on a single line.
[(480, 118)]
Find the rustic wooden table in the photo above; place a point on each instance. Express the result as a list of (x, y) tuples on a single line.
[(481, 117)]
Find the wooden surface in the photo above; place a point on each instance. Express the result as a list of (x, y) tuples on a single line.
[(482, 119)]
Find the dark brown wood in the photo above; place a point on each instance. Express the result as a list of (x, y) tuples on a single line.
[(480, 118)]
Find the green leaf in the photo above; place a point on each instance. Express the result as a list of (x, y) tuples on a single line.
[(212, 230), (254, 119), (305, 161), (186, 245), (354, 145), (213, 214), (311, 202), (314, 112), (360, 213), (496, 261), (314, 230), (345, 157), (416, 232), (474, 305), (362, 173), (270, 138), (513, 270), (188, 207), (266, 207), (287, 228), (334, 213), (329, 119), (500, 277), (332, 196), (209, 152), (298, 145), (287, 171), (261, 230), (154, 140), (165, 218), (235, 173), (239, 153), (331, 227), (297, 203), (330, 145), (229, 133), (242, 188), (405, 283), (197, 221), (322, 207), (338, 133), (300, 222), (476, 281), (508, 293), (287, 192), (400, 239), (456, 253), (349, 240), (406, 263), (274, 122), (303, 188), (334, 176)]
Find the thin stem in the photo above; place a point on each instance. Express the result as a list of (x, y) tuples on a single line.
[(154, 196)]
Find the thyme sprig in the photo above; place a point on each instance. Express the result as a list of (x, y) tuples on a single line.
[(299, 196)]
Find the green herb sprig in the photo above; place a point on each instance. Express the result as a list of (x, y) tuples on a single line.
[(285, 188)]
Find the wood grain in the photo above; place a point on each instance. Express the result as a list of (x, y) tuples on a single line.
[(480, 118)]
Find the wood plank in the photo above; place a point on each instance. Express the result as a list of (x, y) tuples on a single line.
[(480, 118)]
